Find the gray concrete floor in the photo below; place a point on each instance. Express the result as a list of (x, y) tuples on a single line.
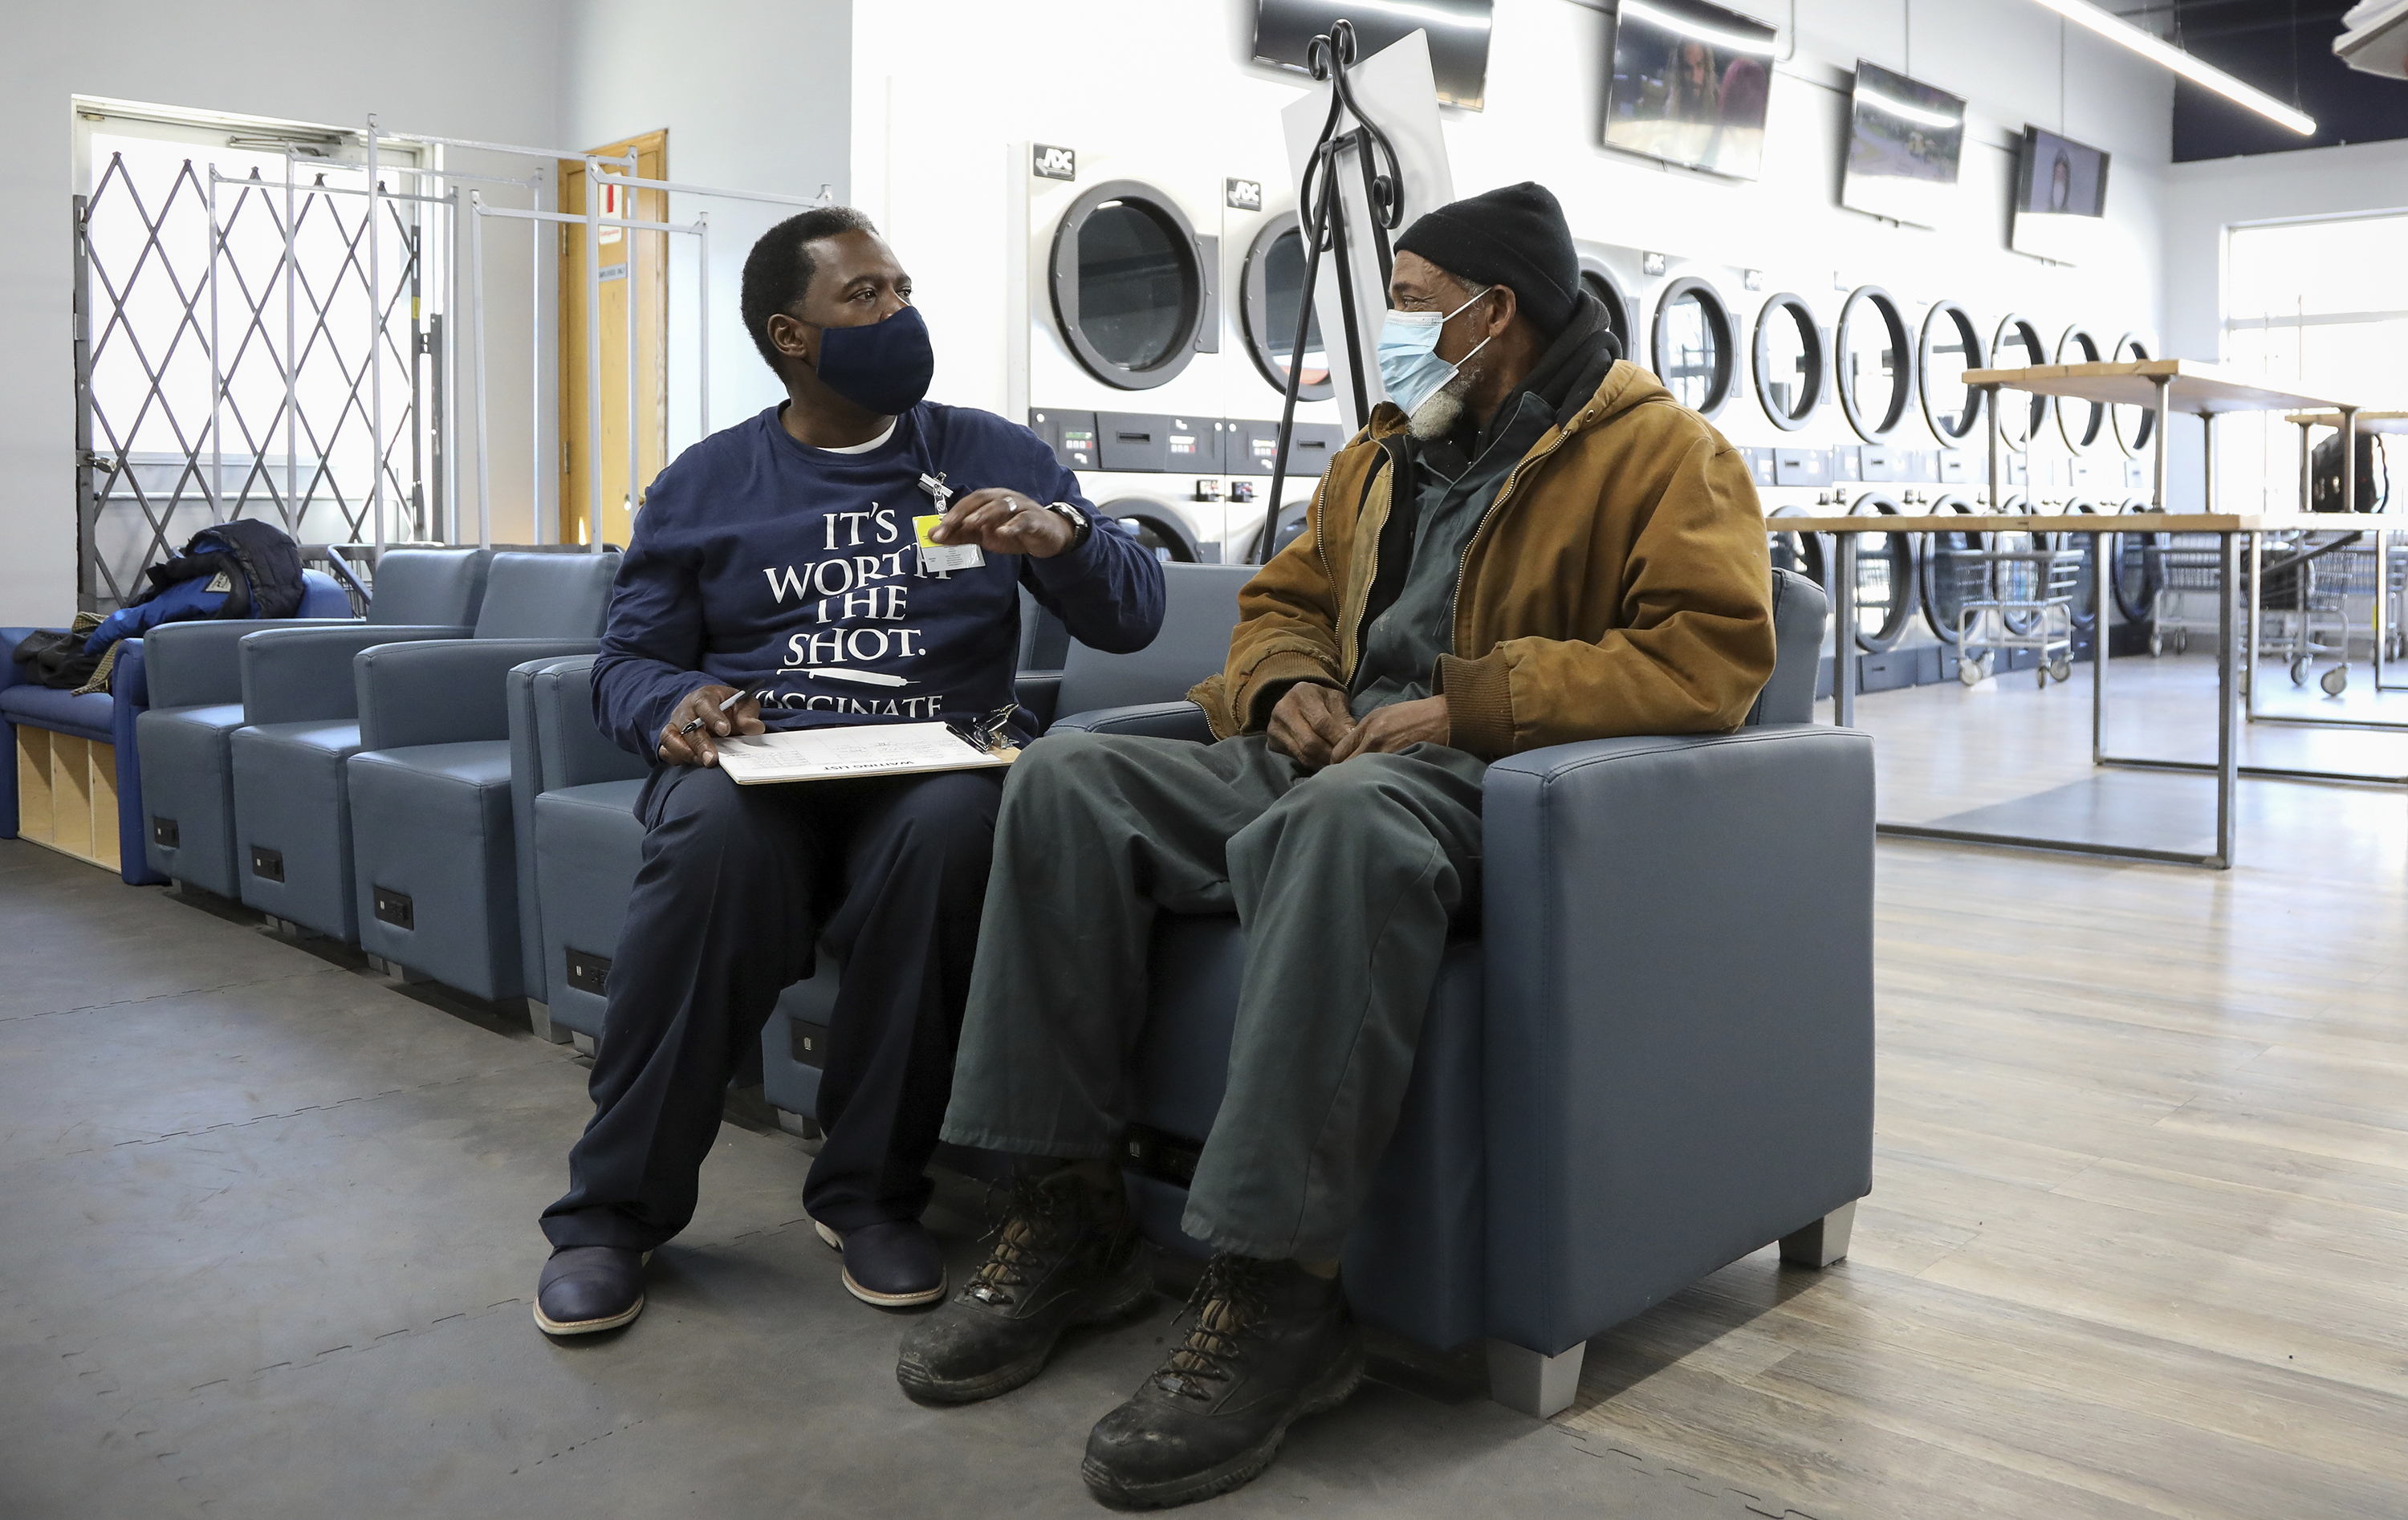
[(267, 1241)]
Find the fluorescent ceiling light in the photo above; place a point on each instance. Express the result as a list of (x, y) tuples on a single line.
[(1889, 105), (2116, 29), (1428, 15), (1735, 41)]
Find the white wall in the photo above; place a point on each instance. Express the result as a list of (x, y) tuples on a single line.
[(756, 95), (2205, 198), (453, 67), (931, 121), (906, 108)]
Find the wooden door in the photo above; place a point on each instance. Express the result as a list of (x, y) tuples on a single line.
[(649, 283)]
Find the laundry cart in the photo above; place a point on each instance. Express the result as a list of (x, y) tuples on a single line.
[(2187, 565), (2310, 581), (2016, 595)]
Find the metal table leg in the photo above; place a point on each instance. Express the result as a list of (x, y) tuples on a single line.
[(2348, 460), (2236, 685), (2101, 571), (2227, 767), (1843, 629), (2240, 666), (2227, 717), (2382, 604), (2307, 465), (2252, 609)]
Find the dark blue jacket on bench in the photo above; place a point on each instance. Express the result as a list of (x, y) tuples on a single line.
[(114, 716)]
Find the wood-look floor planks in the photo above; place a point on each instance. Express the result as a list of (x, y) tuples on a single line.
[(2138, 1243)]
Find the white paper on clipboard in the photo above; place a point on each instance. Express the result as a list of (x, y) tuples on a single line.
[(812, 754)]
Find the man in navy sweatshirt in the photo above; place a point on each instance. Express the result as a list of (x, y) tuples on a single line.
[(774, 581)]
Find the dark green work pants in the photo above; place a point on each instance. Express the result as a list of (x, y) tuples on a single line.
[(1344, 882)]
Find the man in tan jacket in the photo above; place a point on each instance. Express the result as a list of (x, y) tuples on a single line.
[(1530, 544)]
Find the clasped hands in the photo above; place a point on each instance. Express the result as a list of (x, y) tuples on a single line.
[(1312, 724)]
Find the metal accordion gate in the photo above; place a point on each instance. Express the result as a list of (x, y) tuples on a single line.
[(251, 346)]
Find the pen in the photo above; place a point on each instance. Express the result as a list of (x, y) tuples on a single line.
[(722, 707)]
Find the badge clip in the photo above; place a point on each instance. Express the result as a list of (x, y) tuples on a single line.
[(935, 558)]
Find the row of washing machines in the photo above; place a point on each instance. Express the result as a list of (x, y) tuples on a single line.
[(1161, 312)]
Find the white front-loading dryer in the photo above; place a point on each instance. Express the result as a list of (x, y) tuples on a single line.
[(1142, 370), (1263, 266), (1127, 336)]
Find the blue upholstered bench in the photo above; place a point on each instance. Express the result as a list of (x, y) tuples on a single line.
[(76, 782)]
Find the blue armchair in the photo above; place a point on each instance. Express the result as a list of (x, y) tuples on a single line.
[(292, 804), (578, 832), (87, 791), (581, 843), (434, 848), (582, 833), (1651, 1055), (196, 682), (1199, 607)]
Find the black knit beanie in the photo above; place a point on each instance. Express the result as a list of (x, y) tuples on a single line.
[(1515, 236)]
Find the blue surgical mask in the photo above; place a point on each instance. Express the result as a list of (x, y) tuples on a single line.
[(883, 367), (1409, 366)]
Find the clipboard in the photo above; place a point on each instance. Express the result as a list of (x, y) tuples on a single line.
[(834, 753)]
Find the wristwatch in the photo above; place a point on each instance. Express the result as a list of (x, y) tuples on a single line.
[(1079, 528)]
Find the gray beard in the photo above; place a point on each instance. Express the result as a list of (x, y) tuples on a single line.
[(1435, 418)]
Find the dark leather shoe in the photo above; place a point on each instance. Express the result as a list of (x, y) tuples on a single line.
[(586, 1288), (1065, 1253), (1271, 1344), (893, 1263)]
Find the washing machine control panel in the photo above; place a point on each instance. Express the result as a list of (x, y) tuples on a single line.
[(1160, 443)]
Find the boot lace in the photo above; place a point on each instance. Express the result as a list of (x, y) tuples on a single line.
[(1229, 1302), (1030, 1231)]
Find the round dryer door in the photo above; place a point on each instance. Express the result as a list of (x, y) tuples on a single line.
[(1158, 527), (2017, 345), (1947, 566), (1696, 354), (2085, 610), (1292, 522), (1128, 284), (1950, 347), (1885, 578), (2013, 580), (2079, 421), (1599, 282), (1272, 299), (2138, 559), (1790, 362), (1873, 356), (1798, 551), (2135, 427)]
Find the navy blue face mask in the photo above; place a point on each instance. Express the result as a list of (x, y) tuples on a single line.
[(883, 367)]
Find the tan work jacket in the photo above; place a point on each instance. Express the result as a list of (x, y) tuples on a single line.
[(1619, 583)]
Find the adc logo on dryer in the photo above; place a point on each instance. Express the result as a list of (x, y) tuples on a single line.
[(1242, 195), (1050, 163)]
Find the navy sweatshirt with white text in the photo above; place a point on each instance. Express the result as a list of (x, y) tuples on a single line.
[(760, 563)]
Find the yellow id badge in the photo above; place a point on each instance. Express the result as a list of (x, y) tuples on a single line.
[(935, 557)]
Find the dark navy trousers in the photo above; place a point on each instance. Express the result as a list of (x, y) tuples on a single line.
[(739, 885)]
